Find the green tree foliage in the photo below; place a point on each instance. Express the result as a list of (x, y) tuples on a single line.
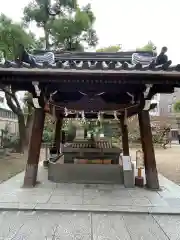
[(11, 35), (177, 107), (65, 25), (111, 49), (147, 48)]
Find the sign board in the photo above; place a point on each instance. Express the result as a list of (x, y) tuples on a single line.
[(127, 165), (139, 159)]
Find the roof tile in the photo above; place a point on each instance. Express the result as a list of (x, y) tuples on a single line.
[(89, 65)]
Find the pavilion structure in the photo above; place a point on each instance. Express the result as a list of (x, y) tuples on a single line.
[(91, 84)]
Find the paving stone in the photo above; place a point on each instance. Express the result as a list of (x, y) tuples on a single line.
[(64, 199), (164, 210), (74, 226), (143, 227), (107, 197), (91, 208), (106, 200), (110, 186), (9, 205), (107, 192), (22, 206), (24, 198), (21, 225), (9, 199), (169, 194), (157, 200), (104, 196), (109, 226), (27, 206), (173, 202), (170, 225), (38, 226), (138, 192), (34, 198), (141, 202), (70, 186), (9, 225), (67, 191)]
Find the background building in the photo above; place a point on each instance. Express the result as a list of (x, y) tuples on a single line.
[(165, 111), (7, 117), (165, 103), (156, 111)]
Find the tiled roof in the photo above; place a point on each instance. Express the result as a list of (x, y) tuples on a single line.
[(106, 66), (103, 56), (107, 72)]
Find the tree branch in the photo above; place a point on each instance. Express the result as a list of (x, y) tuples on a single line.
[(10, 96)]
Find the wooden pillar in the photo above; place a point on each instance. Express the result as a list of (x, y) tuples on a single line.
[(57, 139), (34, 148), (152, 181), (125, 140)]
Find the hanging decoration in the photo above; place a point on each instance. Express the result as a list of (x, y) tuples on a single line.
[(83, 117), (65, 112), (53, 107), (76, 116), (115, 115), (98, 122)]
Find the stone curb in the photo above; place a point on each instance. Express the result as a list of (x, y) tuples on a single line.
[(96, 209)]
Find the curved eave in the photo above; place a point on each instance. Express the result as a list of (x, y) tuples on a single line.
[(68, 75)]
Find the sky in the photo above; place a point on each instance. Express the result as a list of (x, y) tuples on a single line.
[(127, 22)]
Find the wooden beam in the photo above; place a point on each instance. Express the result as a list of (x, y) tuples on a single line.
[(125, 140), (34, 148), (152, 181), (86, 104)]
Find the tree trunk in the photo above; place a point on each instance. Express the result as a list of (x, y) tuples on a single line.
[(46, 34), (22, 133)]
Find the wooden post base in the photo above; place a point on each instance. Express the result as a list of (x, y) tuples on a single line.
[(30, 175), (139, 181), (153, 182)]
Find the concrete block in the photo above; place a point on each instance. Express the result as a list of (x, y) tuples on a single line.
[(85, 173)]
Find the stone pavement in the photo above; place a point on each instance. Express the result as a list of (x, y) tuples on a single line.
[(90, 198), (22, 225)]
